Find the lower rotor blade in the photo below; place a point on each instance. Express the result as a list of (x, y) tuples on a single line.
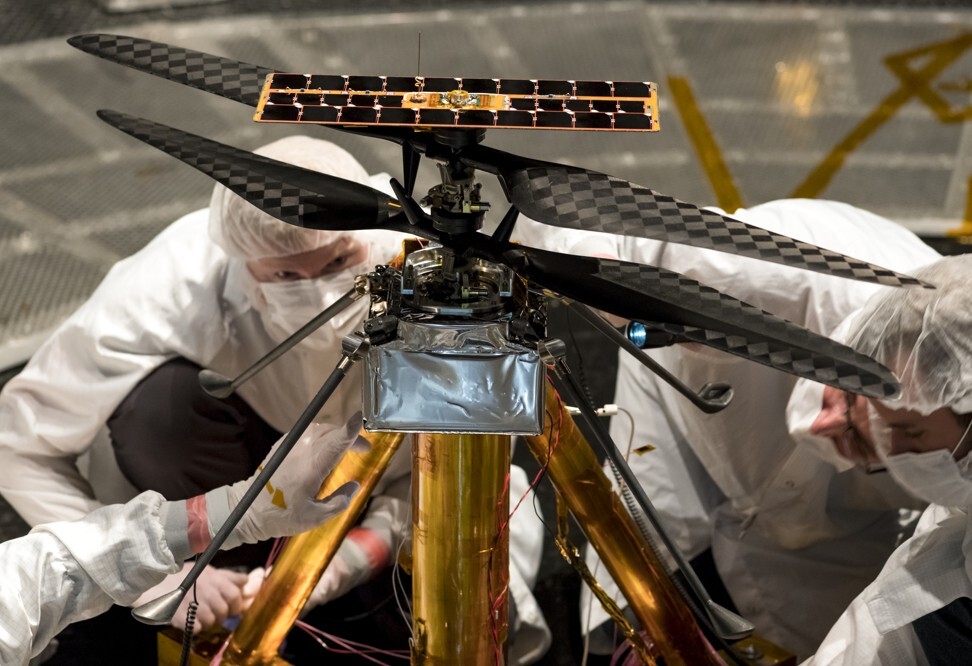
[(294, 195), (677, 304)]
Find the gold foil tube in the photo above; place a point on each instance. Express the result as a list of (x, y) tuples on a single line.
[(460, 580), (652, 596), (573, 557), (304, 558)]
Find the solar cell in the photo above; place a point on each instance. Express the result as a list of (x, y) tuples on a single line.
[(450, 102)]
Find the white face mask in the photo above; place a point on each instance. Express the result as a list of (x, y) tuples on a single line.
[(935, 476), (286, 306)]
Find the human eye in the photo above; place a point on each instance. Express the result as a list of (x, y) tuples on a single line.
[(338, 262), (285, 276), (913, 435)]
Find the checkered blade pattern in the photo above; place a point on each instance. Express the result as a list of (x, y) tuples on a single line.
[(843, 375), (744, 330), (580, 199), (294, 195), (234, 80), (674, 303)]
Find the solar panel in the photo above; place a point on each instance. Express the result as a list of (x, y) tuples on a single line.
[(429, 102)]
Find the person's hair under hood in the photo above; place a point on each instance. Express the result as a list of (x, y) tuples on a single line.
[(245, 232), (924, 336)]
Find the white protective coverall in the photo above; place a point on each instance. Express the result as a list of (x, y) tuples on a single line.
[(71, 571), (178, 296), (182, 296), (924, 337), (926, 573), (793, 540)]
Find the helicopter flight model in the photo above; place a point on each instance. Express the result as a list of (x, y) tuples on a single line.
[(550, 193), (470, 279)]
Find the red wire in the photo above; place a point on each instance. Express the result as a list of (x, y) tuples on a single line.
[(278, 545), (498, 600), (364, 651), (350, 647)]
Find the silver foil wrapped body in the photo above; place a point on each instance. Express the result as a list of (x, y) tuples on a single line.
[(453, 378)]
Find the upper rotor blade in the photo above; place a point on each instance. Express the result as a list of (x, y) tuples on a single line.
[(677, 304), (294, 195), (576, 198), (228, 78)]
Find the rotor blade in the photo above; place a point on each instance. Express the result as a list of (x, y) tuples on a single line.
[(581, 199), (228, 78), (235, 80), (677, 304), (294, 195), (576, 198)]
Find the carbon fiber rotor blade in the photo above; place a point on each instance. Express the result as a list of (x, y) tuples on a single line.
[(235, 80), (590, 201), (677, 304), (221, 76), (576, 198), (294, 195)]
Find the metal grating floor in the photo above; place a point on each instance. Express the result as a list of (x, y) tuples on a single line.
[(777, 89)]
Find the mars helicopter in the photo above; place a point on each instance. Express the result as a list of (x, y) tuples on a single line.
[(472, 281)]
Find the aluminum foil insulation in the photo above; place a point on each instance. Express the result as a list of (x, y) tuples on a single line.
[(453, 378)]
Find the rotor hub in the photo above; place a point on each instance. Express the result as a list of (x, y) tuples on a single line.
[(456, 205), (459, 138), (435, 280)]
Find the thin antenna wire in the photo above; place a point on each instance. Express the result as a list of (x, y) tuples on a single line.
[(418, 64)]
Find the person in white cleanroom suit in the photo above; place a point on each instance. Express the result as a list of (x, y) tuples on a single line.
[(69, 571), (792, 539), (919, 609), (123, 370)]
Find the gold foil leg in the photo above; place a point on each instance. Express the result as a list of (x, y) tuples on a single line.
[(304, 558), (576, 474), (573, 557), (205, 647), (460, 505)]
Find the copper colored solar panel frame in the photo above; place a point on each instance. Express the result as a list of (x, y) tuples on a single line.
[(402, 101)]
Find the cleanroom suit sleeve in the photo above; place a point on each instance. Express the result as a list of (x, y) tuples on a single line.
[(160, 303), (66, 572), (567, 241), (854, 640), (924, 575)]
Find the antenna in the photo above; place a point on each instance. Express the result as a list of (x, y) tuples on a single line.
[(418, 63)]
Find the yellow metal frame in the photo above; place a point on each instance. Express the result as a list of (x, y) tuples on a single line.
[(460, 558), (575, 472), (460, 554), (302, 561)]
